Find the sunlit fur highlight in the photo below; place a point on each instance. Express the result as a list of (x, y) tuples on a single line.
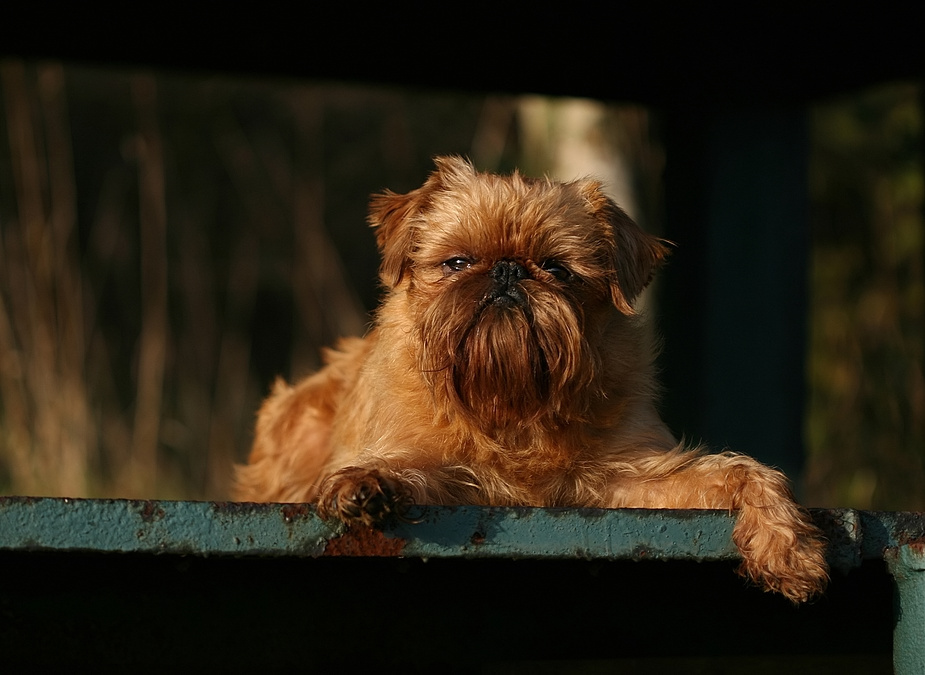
[(545, 397)]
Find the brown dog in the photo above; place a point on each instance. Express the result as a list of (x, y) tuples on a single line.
[(507, 367)]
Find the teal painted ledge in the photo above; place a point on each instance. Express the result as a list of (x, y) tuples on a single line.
[(242, 529)]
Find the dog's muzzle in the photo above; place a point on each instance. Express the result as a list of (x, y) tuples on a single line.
[(506, 290)]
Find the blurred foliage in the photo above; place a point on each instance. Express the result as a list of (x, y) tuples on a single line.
[(866, 417)]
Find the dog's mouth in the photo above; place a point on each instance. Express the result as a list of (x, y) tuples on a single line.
[(518, 356)]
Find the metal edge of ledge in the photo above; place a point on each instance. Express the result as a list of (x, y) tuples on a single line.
[(272, 530)]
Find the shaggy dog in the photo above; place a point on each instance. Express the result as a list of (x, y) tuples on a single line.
[(507, 366)]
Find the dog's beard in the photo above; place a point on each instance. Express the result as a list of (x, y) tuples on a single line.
[(509, 362)]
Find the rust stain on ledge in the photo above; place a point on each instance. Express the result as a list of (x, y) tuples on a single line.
[(151, 511), (917, 546), (293, 512), (364, 541)]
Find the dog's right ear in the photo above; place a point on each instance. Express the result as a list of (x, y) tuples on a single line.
[(391, 214), (394, 216)]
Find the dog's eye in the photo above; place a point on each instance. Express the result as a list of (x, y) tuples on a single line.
[(557, 269), (454, 265)]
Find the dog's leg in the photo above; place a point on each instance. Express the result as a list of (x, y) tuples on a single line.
[(781, 549), (290, 444)]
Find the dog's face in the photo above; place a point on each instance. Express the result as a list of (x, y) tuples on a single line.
[(510, 284)]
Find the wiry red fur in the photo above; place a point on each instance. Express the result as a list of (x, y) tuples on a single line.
[(544, 397)]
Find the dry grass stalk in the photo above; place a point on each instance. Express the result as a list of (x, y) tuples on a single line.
[(46, 432)]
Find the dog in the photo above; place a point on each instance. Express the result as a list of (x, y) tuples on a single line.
[(507, 365)]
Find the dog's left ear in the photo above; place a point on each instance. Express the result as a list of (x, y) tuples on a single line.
[(637, 254)]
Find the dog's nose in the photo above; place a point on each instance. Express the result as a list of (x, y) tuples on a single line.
[(507, 274)]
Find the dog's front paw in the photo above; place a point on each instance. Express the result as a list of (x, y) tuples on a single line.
[(366, 496), (785, 555)]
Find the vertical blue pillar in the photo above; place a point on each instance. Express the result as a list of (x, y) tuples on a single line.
[(907, 565)]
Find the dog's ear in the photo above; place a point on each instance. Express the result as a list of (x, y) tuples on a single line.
[(393, 216), (452, 171), (637, 255)]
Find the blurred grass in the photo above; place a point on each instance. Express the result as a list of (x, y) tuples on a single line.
[(152, 267), (169, 244)]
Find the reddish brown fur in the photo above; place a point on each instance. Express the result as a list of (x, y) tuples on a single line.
[(542, 397)]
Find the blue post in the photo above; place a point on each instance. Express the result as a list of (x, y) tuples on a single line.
[(907, 565)]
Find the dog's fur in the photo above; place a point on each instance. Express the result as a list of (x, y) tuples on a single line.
[(507, 366)]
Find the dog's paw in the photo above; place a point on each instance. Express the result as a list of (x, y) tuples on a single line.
[(355, 495), (787, 558)]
